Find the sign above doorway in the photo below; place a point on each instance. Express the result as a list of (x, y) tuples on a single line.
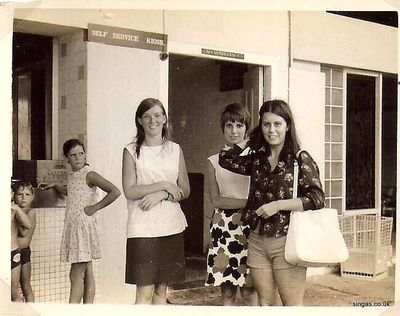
[(220, 53), (126, 37)]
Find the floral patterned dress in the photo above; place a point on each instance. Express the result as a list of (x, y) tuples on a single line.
[(80, 239), (227, 253)]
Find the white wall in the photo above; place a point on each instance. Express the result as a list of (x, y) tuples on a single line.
[(6, 25), (263, 33), (306, 98), (267, 29), (338, 40), (118, 79)]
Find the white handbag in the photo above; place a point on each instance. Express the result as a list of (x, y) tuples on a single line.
[(314, 238)]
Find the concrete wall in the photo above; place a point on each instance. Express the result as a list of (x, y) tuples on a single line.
[(6, 27), (222, 29), (338, 40), (72, 77), (225, 30), (306, 97), (113, 95)]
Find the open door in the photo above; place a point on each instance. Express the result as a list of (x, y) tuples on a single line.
[(363, 143), (253, 91)]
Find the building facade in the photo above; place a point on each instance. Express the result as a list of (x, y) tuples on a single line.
[(82, 73)]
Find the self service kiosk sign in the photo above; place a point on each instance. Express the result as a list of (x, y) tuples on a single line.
[(126, 37)]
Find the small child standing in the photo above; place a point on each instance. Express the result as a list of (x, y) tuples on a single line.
[(80, 239), (23, 197), (19, 223)]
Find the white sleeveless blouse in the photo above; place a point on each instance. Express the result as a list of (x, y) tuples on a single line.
[(230, 184), (155, 164)]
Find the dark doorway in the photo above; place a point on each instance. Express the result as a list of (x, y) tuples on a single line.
[(198, 90), (389, 146), (360, 143), (32, 97)]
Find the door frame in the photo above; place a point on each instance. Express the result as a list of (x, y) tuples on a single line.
[(268, 74), (378, 140), (271, 80)]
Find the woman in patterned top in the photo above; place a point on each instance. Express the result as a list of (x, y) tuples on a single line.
[(273, 147)]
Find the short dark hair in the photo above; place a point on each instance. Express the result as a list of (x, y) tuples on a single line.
[(235, 112), (71, 143), (22, 184)]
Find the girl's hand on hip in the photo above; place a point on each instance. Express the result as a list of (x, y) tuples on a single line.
[(268, 210), (89, 210), (150, 200)]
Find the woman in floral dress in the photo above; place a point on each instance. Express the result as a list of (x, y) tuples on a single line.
[(227, 254)]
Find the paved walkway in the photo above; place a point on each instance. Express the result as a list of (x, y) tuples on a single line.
[(321, 290)]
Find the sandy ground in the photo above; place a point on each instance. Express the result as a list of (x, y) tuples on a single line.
[(322, 290)]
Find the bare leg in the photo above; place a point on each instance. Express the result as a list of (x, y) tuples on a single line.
[(26, 282), (249, 294), (228, 292), (89, 285), (77, 276), (15, 276), (160, 294), (291, 285), (144, 294), (264, 283)]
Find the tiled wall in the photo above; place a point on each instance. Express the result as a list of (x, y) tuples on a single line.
[(50, 277), (334, 137), (72, 88)]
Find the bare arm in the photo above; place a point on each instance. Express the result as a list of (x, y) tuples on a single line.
[(179, 192), (22, 219), (25, 236), (269, 209), (183, 178), (213, 190), (132, 190), (310, 191), (94, 179), (61, 188)]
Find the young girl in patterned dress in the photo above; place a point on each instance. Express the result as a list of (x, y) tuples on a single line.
[(227, 254), (80, 239), (273, 148)]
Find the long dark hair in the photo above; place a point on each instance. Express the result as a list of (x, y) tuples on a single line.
[(143, 107), (291, 144)]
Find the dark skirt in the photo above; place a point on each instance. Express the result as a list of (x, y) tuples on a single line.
[(155, 260)]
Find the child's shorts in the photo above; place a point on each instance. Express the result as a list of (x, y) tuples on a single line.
[(25, 255), (15, 258)]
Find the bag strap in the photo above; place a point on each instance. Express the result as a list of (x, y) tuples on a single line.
[(296, 174)]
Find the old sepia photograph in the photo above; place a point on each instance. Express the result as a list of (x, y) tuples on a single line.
[(203, 157)]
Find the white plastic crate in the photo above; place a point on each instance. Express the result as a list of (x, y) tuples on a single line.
[(368, 239)]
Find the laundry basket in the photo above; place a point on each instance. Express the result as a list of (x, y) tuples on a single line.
[(368, 239)]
